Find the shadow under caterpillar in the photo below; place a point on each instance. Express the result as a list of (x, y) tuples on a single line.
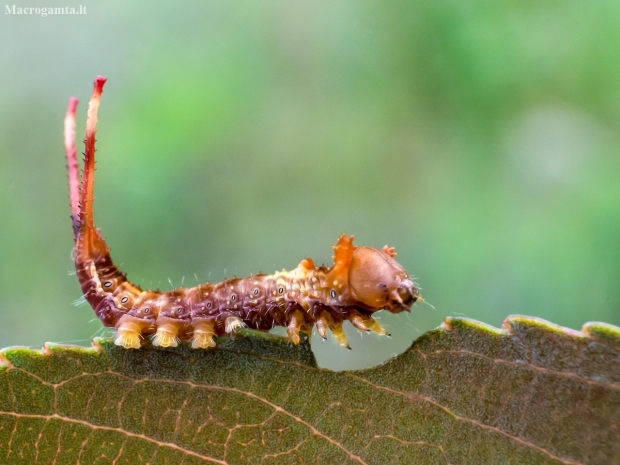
[(361, 281)]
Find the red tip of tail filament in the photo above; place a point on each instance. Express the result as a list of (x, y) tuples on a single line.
[(99, 82), (93, 106)]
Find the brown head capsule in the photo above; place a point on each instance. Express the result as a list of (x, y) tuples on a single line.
[(379, 282)]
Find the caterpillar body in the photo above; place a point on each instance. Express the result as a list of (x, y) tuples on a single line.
[(361, 281)]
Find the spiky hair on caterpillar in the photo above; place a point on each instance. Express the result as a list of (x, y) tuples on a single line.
[(361, 281)]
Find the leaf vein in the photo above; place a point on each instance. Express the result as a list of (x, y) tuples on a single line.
[(118, 430), (418, 397)]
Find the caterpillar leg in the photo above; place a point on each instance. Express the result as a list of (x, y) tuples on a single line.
[(232, 324), (128, 339), (128, 332), (358, 320), (166, 335), (372, 325), (366, 323), (204, 332), (338, 332), (295, 324), (323, 322)]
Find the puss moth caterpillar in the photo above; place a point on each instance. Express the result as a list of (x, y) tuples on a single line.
[(361, 281)]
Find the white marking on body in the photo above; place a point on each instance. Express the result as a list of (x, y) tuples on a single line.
[(95, 277)]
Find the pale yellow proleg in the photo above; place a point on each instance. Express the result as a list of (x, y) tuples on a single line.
[(338, 332), (166, 335), (203, 335), (372, 324), (323, 321), (358, 321), (295, 323), (232, 324), (128, 332)]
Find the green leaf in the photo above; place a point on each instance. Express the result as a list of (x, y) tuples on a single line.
[(530, 393)]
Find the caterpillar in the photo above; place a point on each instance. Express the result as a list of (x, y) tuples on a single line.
[(361, 281)]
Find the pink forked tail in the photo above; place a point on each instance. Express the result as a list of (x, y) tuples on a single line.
[(72, 164)]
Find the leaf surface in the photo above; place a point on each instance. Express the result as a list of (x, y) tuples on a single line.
[(465, 393)]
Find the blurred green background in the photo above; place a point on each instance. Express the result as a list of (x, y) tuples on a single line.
[(480, 139)]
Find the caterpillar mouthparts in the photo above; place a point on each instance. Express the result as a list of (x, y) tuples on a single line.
[(361, 281)]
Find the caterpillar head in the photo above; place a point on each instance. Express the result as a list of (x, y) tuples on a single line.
[(378, 281)]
